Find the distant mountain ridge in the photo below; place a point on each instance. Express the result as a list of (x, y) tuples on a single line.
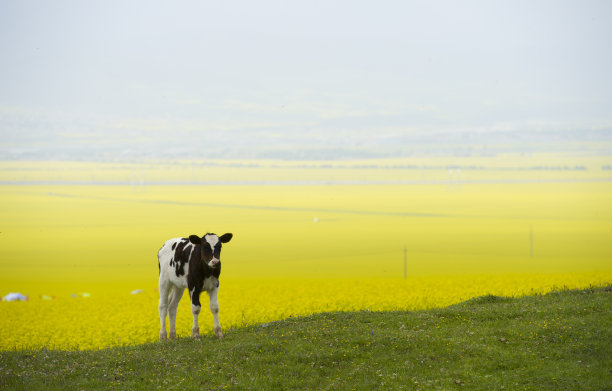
[(291, 145)]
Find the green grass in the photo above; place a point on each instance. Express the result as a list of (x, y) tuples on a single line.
[(561, 340)]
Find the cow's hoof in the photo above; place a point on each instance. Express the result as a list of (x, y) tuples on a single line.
[(162, 337), (218, 332), (195, 333), (172, 334)]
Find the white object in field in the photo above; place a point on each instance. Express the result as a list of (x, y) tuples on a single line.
[(14, 296)]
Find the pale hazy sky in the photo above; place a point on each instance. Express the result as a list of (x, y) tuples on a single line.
[(73, 71)]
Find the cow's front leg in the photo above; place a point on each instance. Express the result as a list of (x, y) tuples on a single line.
[(195, 310), (214, 308), (195, 330)]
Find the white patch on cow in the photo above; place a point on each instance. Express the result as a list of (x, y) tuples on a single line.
[(210, 283), (212, 240), (167, 273)]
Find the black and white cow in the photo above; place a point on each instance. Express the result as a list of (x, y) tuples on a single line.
[(193, 263)]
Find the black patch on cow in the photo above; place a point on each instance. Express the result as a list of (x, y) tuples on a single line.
[(195, 295), (174, 245), (182, 253)]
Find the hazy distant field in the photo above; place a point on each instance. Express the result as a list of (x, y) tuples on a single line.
[(68, 228)]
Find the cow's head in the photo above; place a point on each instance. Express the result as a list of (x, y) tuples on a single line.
[(211, 247)]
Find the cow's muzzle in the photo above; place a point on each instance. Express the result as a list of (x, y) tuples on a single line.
[(213, 262)]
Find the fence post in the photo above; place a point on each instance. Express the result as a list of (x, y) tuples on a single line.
[(531, 240), (405, 262)]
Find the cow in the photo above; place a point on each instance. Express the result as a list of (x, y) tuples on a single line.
[(193, 263)]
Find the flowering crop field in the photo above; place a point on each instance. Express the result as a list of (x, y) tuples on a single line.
[(118, 318), (79, 247)]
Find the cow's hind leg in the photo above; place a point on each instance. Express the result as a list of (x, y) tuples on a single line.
[(164, 289), (175, 296)]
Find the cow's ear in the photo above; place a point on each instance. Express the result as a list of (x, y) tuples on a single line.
[(225, 238), (195, 239)]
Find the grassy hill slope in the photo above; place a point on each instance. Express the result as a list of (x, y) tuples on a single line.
[(561, 340)]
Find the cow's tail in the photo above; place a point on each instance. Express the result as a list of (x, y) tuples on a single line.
[(158, 259)]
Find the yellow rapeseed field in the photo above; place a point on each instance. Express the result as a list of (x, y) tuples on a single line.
[(119, 318), (301, 244)]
